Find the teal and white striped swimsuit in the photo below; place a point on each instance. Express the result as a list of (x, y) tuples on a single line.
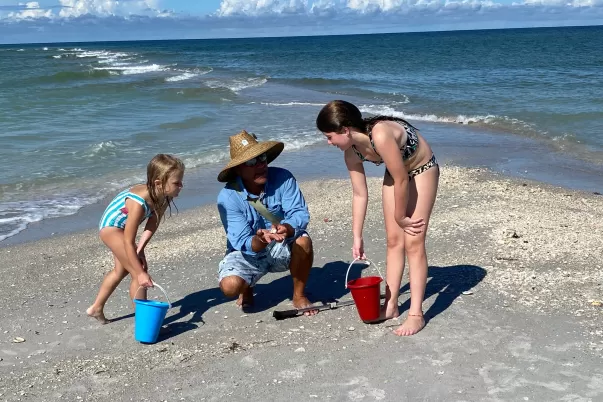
[(116, 213)]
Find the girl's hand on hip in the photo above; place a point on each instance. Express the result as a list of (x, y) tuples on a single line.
[(358, 249), (411, 226)]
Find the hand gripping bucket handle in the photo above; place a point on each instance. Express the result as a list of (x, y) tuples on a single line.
[(367, 262), (149, 316), (155, 284)]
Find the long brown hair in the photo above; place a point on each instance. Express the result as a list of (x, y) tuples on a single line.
[(338, 114), (161, 167)]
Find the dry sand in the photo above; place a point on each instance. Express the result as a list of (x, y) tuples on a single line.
[(513, 303)]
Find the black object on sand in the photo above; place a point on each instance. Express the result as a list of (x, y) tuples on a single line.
[(284, 314)]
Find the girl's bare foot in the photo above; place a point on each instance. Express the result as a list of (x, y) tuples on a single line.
[(98, 314), (413, 324), (246, 298), (390, 310)]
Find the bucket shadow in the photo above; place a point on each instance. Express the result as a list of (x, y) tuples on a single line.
[(447, 283), (190, 312)]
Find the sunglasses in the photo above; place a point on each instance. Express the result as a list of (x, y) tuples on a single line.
[(259, 159)]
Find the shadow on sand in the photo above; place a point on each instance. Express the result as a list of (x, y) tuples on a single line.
[(326, 284), (446, 283)]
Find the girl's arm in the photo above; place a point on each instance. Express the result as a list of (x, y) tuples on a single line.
[(359, 199), (145, 237), (134, 265), (149, 230), (389, 150)]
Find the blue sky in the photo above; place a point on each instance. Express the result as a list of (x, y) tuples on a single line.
[(87, 20)]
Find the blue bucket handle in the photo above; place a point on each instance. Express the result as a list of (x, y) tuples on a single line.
[(367, 262), (155, 284)]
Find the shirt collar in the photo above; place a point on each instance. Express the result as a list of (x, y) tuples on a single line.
[(249, 196)]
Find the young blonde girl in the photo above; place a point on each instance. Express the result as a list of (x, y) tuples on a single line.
[(409, 191), (119, 226)]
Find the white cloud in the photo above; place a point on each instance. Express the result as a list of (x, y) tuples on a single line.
[(74, 20), (321, 9), (76, 8), (261, 7), (272, 7), (29, 10)]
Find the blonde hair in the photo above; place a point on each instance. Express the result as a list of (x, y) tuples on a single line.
[(161, 167)]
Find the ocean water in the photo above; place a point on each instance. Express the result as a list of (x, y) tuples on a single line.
[(80, 121)]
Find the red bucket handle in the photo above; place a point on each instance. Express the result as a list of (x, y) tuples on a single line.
[(367, 262)]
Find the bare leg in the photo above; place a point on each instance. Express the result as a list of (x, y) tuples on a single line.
[(395, 251), (233, 286), (114, 239), (136, 292), (423, 190), (302, 258)]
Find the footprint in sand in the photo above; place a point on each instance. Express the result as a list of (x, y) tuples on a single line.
[(296, 374), (249, 362), (363, 390)]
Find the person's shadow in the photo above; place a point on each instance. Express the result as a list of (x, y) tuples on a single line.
[(447, 283), (326, 284)]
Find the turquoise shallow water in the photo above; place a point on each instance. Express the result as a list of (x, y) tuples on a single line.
[(80, 121)]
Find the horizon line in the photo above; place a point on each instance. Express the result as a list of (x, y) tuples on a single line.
[(306, 36)]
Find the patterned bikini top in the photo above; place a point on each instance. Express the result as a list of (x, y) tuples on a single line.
[(408, 149)]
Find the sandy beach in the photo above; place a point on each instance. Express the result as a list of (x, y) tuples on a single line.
[(513, 306)]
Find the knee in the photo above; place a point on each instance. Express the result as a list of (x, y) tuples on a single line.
[(394, 242), (415, 245), (305, 244), (232, 285), (120, 273)]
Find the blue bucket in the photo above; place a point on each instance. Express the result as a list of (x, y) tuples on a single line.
[(149, 317)]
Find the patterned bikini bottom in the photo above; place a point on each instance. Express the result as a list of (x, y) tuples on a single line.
[(428, 165)]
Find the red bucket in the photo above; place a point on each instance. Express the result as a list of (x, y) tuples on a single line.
[(366, 293)]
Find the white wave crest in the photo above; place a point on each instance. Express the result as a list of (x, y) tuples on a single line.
[(213, 157), (102, 54), (459, 119), (12, 226), (181, 77), (188, 74), (301, 141), (238, 84), (21, 214), (291, 104), (134, 69), (101, 149), (292, 142)]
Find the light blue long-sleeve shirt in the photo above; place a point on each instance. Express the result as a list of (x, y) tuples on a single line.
[(282, 197)]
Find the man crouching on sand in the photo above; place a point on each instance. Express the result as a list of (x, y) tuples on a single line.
[(265, 216)]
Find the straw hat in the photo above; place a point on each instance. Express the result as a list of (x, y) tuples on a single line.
[(244, 147)]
